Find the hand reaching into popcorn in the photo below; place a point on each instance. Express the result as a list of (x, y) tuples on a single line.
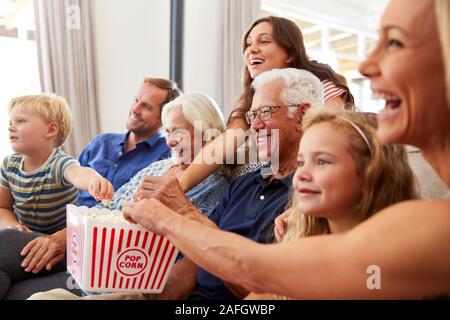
[(101, 189), (88, 179), (149, 213), (167, 190), (47, 251)]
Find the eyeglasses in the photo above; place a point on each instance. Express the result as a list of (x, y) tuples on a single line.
[(177, 133), (264, 113)]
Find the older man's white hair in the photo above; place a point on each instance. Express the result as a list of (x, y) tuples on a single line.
[(198, 107), (298, 87)]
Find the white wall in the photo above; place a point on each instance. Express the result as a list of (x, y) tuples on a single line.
[(132, 41), (202, 39)]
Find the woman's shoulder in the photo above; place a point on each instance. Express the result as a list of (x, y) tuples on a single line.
[(418, 206), (429, 217), (407, 238)]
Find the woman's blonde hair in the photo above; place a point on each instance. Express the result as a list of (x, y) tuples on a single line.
[(386, 175), (50, 107), (443, 23)]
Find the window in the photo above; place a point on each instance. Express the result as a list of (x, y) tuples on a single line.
[(18, 60), (334, 36)]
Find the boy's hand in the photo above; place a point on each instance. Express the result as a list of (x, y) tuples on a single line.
[(101, 189)]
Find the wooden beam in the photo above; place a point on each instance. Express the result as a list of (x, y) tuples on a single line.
[(8, 32), (13, 33), (310, 30)]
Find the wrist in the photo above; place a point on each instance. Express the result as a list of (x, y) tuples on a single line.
[(186, 209), (183, 184), (60, 237), (169, 223)]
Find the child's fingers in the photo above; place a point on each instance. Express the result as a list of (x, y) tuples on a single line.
[(275, 232), (278, 234), (110, 192), (101, 190), (106, 190), (280, 228), (94, 188)]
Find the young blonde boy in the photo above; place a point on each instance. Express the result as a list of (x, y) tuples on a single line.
[(39, 180)]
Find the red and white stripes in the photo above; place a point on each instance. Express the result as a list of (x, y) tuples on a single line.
[(111, 257), (330, 90)]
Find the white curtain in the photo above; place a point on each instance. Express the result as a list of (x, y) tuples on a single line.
[(237, 16), (65, 41)]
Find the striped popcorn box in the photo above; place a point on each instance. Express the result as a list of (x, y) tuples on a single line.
[(105, 253)]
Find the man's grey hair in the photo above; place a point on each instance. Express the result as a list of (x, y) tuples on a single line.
[(298, 87)]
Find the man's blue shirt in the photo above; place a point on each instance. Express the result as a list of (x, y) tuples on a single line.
[(106, 154), (248, 208)]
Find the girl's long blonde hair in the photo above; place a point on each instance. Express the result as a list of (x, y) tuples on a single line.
[(386, 175)]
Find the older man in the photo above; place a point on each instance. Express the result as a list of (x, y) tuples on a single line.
[(118, 157), (253, 201)]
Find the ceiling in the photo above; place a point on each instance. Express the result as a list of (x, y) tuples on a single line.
[(347, 43), (363, 4), (12, 10)]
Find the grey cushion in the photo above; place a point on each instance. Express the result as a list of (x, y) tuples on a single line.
[(429, 183)]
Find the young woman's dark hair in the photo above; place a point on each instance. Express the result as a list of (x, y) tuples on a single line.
[(288, 35)]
